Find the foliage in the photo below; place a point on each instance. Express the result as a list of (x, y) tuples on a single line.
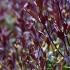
[(34, 34)]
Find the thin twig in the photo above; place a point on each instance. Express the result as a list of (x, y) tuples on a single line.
[(53, 42), (62, 25)]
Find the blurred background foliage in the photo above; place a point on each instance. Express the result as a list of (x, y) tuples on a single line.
[(34, 34)]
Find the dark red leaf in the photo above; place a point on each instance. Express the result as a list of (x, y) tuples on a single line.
[(21, 23), (43, 18), (29, 6), (47, 41), (68, 29), (33, 56), (65, 27), (5, 39), (39, 4), (15, 34), (42, 63), (33, 29), (23, 41), (11, 64), (60, 35)]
